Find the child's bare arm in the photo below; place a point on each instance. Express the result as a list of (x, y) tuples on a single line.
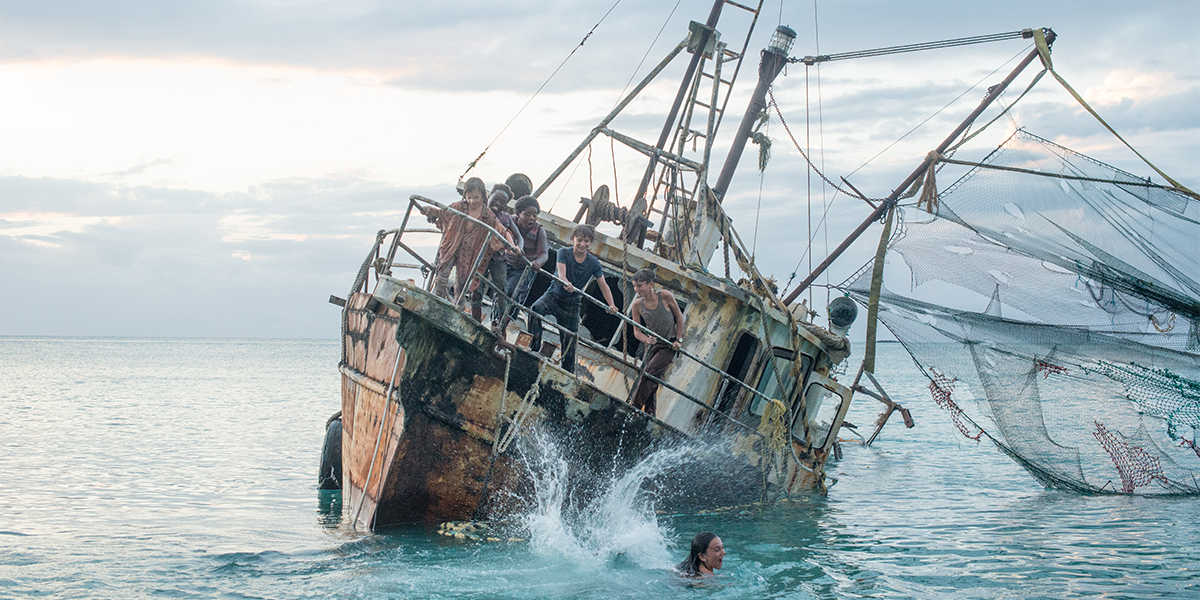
[(636, 317)]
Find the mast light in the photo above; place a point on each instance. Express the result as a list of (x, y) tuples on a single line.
[(782, 40)]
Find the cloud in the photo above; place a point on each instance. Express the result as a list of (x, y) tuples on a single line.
[(220, 167), (462, 45), (144, 265)]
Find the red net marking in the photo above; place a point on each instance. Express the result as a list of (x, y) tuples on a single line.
[(1186, 443), (1136, 466), (941, 387), (1046, 369)]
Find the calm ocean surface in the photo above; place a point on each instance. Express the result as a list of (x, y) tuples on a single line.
[(186, 468)]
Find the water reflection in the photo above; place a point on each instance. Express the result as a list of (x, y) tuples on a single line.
[(329, 508)]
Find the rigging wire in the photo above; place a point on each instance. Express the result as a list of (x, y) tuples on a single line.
[(666, 22), (564, 187), (762, 173), (649, 48), (821, 144), (881, 152), (612, 149), (539, 90), (808, 173), (611, 142)]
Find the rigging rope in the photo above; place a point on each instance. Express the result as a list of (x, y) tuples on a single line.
[(618, 101), (821, 144), (387, 399), (1137, 183), (539, 90), (880, 153), (522, 411), (1044, 50)]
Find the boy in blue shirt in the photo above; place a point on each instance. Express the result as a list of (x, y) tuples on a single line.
[(576, 266)]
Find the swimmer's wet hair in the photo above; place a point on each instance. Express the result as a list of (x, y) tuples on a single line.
[(691, 564)]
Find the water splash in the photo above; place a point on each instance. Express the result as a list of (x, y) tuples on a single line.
[(618, 523)]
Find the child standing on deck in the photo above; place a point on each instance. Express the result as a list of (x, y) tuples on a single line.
[(462, 241), (659, 312), (497, 270), (576, 266), (534, 248)]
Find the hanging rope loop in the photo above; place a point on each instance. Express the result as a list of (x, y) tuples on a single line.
[(929, 193)]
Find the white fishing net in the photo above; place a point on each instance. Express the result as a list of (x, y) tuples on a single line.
[(1084, 366)]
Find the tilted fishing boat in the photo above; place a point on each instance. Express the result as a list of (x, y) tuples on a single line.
[(432, 399)]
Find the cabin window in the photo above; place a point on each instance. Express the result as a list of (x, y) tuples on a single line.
[(777, 370), (822, 405), (738, 366)]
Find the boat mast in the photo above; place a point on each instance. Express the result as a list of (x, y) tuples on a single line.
[(774, 58), (636, 232), (890, 202), (702, 241)]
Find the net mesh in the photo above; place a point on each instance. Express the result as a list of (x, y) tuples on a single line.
[(1058, 314)]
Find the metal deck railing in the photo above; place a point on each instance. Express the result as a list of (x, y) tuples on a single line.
[(383, 264)]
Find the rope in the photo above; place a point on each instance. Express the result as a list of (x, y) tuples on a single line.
[(487, 482), (602, 209), (497, 447), (522, 411), (612, 150), (814, 168), (725, 241), (539, 90), (503, 398), (929, 194), (1039, 38), (1005, 112), (359, 280), (773, 427), (824, 226), (880, 153), (1136, 183)]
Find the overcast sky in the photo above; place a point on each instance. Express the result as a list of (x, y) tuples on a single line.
[(220, 167)]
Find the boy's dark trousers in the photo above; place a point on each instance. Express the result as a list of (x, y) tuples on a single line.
[(566, 312)]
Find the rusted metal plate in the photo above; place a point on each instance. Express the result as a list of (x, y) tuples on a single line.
[(369, 441)]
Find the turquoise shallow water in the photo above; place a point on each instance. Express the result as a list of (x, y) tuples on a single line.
[(137, 468)]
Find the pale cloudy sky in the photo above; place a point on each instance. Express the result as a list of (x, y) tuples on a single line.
[(219, 167)]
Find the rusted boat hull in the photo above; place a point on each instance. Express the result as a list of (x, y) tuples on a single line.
[(429, 451)]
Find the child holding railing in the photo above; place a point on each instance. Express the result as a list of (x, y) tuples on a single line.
[(462, 241), (576, 266)]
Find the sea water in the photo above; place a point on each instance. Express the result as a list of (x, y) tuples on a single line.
[(186, 468)]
